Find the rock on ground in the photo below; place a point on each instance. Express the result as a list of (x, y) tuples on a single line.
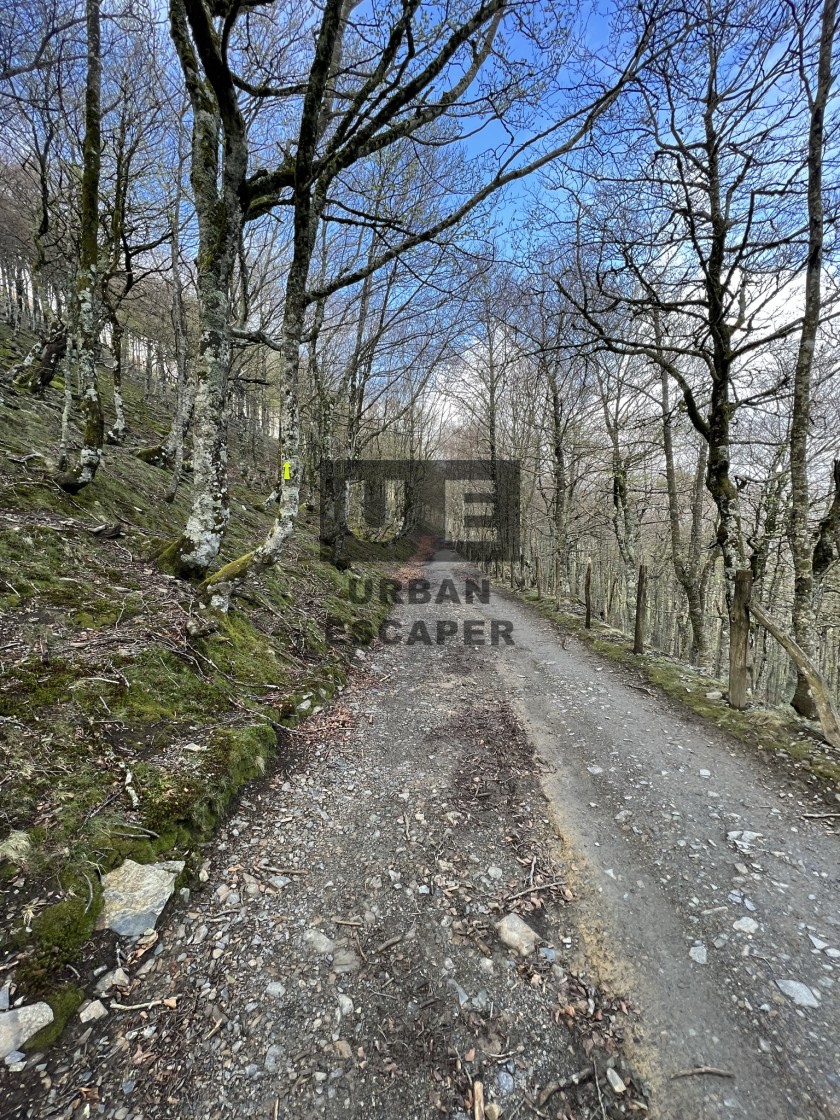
[(517, 934), (135, 894), (19, 1025)]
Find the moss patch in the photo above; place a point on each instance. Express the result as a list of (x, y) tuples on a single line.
[(64, 1001), (133, 715)]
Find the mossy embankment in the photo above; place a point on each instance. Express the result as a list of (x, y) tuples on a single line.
[(129, 718), (773, 731)]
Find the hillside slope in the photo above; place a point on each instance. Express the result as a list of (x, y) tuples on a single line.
[(121, 735)]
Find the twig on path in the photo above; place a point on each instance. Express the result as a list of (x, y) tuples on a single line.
[(389, 944), (819, 816), (90, 892), (478, 1100), (135, 1006), (531, 890), (699, 1071), (600, 1095), (579, 1078), (345, 922)]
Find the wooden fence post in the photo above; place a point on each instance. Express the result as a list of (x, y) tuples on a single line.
[(641, 603), (587, 591), (739, 639)]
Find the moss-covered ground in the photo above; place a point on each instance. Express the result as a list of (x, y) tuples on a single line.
[(771, 730), (121, 734)]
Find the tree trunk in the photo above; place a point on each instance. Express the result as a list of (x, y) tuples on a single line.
[(641, 604), (587, 592), (561, 568), (804, 614), (148, 384), (173, 448), (38, 369), (826, 710), (217, 196), (88, 326), (309, 202), (739, 640), (117, 433)]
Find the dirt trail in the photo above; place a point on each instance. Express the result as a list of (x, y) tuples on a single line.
[(700, 882), (341, 958)]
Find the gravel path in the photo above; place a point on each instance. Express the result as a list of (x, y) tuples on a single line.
[(342, 958), (704, 891)]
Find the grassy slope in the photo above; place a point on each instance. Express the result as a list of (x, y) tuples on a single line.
[(101, 689), (772, 730)]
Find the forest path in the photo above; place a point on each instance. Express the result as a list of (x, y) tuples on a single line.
[(678, 834), (342, 960)]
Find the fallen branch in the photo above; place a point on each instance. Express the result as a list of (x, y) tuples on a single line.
[(828, 717), (478, 1100), (532, 890), (389, 944), (701, 1071), (579, 1078), (136, 1006)]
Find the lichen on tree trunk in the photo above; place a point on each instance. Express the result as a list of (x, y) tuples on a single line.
[(218, 127), (88, 326), (117, 433)]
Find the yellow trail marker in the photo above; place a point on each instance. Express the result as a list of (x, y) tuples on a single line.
[(287, 470)]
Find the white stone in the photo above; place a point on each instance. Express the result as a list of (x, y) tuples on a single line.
[(746, 925), (698, 953), (318, 941), (135, 894), (345, 960), (800, 993), (517, 934), (616, 1084), (116, 978), (19, 1025), (93, 1011)]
